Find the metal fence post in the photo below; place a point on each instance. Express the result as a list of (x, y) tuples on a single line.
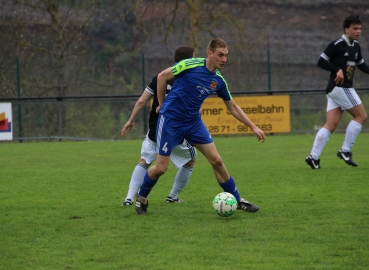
[(59, 100), (143, 87), (269, 76), (19, 105)]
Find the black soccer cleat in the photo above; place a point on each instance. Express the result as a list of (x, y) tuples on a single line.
[(170, 200), (127, 202), (347, 157), (247, 206), (313, 163), (141, 205)]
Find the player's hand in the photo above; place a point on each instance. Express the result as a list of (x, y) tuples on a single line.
[(339, 77), (126, 127), (259, 133), (158, 109)]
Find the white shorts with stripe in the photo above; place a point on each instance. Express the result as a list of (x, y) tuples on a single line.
[(345, 98), (180, 155)]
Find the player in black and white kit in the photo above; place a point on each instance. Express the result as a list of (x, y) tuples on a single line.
[(341, 57), (183, 156)]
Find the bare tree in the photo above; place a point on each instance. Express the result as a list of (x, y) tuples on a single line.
[(61, 43), (66, 48), (169, 23), (193, 18)]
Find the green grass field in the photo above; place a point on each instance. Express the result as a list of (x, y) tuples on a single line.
[(61, 208)]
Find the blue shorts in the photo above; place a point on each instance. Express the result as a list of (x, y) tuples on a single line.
[(171, 132)]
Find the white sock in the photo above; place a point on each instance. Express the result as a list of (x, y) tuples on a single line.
[(182, 177), (320, 141), (136, 180), (352, 131)]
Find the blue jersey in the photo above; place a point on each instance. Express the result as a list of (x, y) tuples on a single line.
[(193, 84)]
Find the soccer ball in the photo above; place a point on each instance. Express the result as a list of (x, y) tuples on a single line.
[(225, 204)]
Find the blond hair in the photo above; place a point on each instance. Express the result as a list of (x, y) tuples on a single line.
[(217, 43)]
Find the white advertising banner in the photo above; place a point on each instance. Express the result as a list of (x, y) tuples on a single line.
[(6, 122)]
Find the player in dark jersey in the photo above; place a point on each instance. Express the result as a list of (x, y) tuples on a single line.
[(179, 119), (341, 58), (183, 155)]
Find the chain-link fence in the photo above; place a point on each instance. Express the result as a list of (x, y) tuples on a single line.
[(102, 117)]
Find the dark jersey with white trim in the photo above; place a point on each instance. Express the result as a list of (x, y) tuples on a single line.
[(341, 54), (153, 118)]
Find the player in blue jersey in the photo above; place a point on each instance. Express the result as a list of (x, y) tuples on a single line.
[(183, 155), (340, 58), (180, 119)]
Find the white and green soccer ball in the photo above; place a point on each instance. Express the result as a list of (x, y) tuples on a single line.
[(225, 204)]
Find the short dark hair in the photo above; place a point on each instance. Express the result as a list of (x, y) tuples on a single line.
[(351, 20), (183, 52), (217, 43)]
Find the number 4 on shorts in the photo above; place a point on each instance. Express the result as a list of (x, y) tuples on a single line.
[(165, 149)]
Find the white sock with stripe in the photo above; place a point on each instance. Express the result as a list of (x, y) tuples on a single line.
[(352, 132), (137, 179), (182, 177), (320, 141)]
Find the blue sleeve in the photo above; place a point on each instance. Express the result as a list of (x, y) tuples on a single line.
[(224, 93)]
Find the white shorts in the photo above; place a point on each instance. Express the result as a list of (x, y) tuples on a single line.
[(346, 98), (180, 155)]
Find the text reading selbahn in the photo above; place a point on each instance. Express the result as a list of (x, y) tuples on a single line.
[(248, 110)]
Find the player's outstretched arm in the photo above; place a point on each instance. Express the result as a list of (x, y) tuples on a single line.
[(163, 77), (240, 115), (140, 104)]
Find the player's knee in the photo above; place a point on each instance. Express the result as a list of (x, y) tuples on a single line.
[(160, 170), (361, 118), (331, 126), (216, 161), (143, 162), (364, 117), (191, 163)]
